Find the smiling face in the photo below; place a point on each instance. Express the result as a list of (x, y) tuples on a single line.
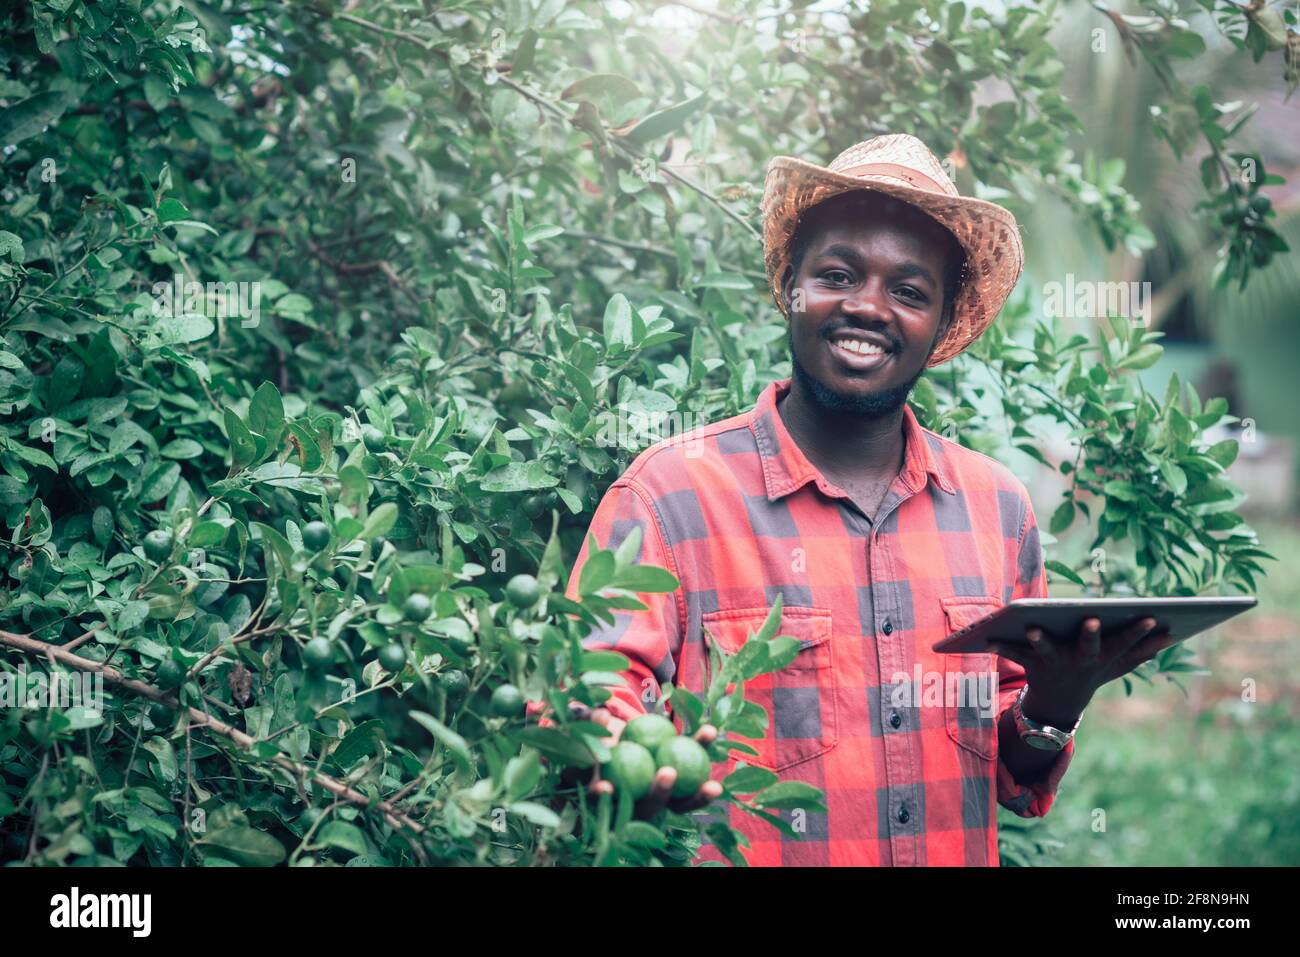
[(869, 296)]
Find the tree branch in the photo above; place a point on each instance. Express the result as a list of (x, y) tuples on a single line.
[(199, 718)]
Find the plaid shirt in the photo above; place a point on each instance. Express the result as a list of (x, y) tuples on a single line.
[(866, 712)]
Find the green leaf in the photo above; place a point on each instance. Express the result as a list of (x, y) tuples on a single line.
[(341, 834), (21, 121), (176, 330), (789, 795), (748, 780), (365, 739), (523, 773), (602, 88), (160, 482), (11, 247), (380, 521), (666, 121), (535, 234), (1065, 571), (1174, 477), (448, 738), (165, 754), (538, 814), (1062, 517), (518, 477), (266, 412), (645, 578), (181, 449), (597, 573), (172, 210), (1142, 357), (243, 450), (618, 321), (557, 746), (246, 845)]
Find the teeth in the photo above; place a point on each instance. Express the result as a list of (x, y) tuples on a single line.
[(858, 347)]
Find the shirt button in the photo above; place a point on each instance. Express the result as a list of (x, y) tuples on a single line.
[(887, 627), (895, 719), (903, 816)]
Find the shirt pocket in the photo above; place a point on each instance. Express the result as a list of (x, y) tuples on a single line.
[(970, 682), (799, 699)]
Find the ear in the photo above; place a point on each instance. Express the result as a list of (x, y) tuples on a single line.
[(787, 290)]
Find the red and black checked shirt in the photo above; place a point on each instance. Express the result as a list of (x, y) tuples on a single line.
[(866, 712)]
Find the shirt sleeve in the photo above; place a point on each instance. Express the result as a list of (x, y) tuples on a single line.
[(1035, 799), (647, 638)]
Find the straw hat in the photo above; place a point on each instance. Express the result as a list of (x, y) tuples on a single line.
[(901, 166)]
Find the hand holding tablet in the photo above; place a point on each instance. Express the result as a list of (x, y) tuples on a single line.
[(1063, 618), (1070, 647)]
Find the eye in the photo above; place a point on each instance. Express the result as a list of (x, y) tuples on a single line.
[(911, 293), (837, 276)]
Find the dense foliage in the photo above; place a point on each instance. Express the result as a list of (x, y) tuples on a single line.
[(431, 277)]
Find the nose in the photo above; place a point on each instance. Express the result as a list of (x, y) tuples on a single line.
[(865, 301)]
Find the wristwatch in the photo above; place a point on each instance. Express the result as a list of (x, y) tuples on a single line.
[(1036, 734)]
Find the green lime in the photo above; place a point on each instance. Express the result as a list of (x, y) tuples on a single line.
[(522, 591), (160, 714), (455, 682), (392, 657), (316, 535), (534, 505), (169, 674), (631, 768), (158, 545), (691, 761), (373, 438), (461, 643), (318, 654), (507, 701), (417, 607), (649, 731)]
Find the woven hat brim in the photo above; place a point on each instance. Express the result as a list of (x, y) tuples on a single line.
[(987, 233)]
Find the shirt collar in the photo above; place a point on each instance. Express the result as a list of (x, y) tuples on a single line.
[(786, 468)]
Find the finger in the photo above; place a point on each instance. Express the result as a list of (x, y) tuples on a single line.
[(1143, 652), (706, 734), (1088, 647), (1041, 644), (1017, 653), (605, 718), (601, 786), (580, 710), (1125, 639), (709, 792), (661, 791), (1152, 645)]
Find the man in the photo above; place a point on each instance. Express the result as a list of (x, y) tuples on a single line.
[(881, 538)]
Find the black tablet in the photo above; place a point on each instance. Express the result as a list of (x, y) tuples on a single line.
[(1180, 617)]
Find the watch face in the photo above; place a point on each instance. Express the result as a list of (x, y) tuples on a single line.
[(1043, 741)]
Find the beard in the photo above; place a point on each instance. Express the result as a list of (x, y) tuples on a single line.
[(871, 405)]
